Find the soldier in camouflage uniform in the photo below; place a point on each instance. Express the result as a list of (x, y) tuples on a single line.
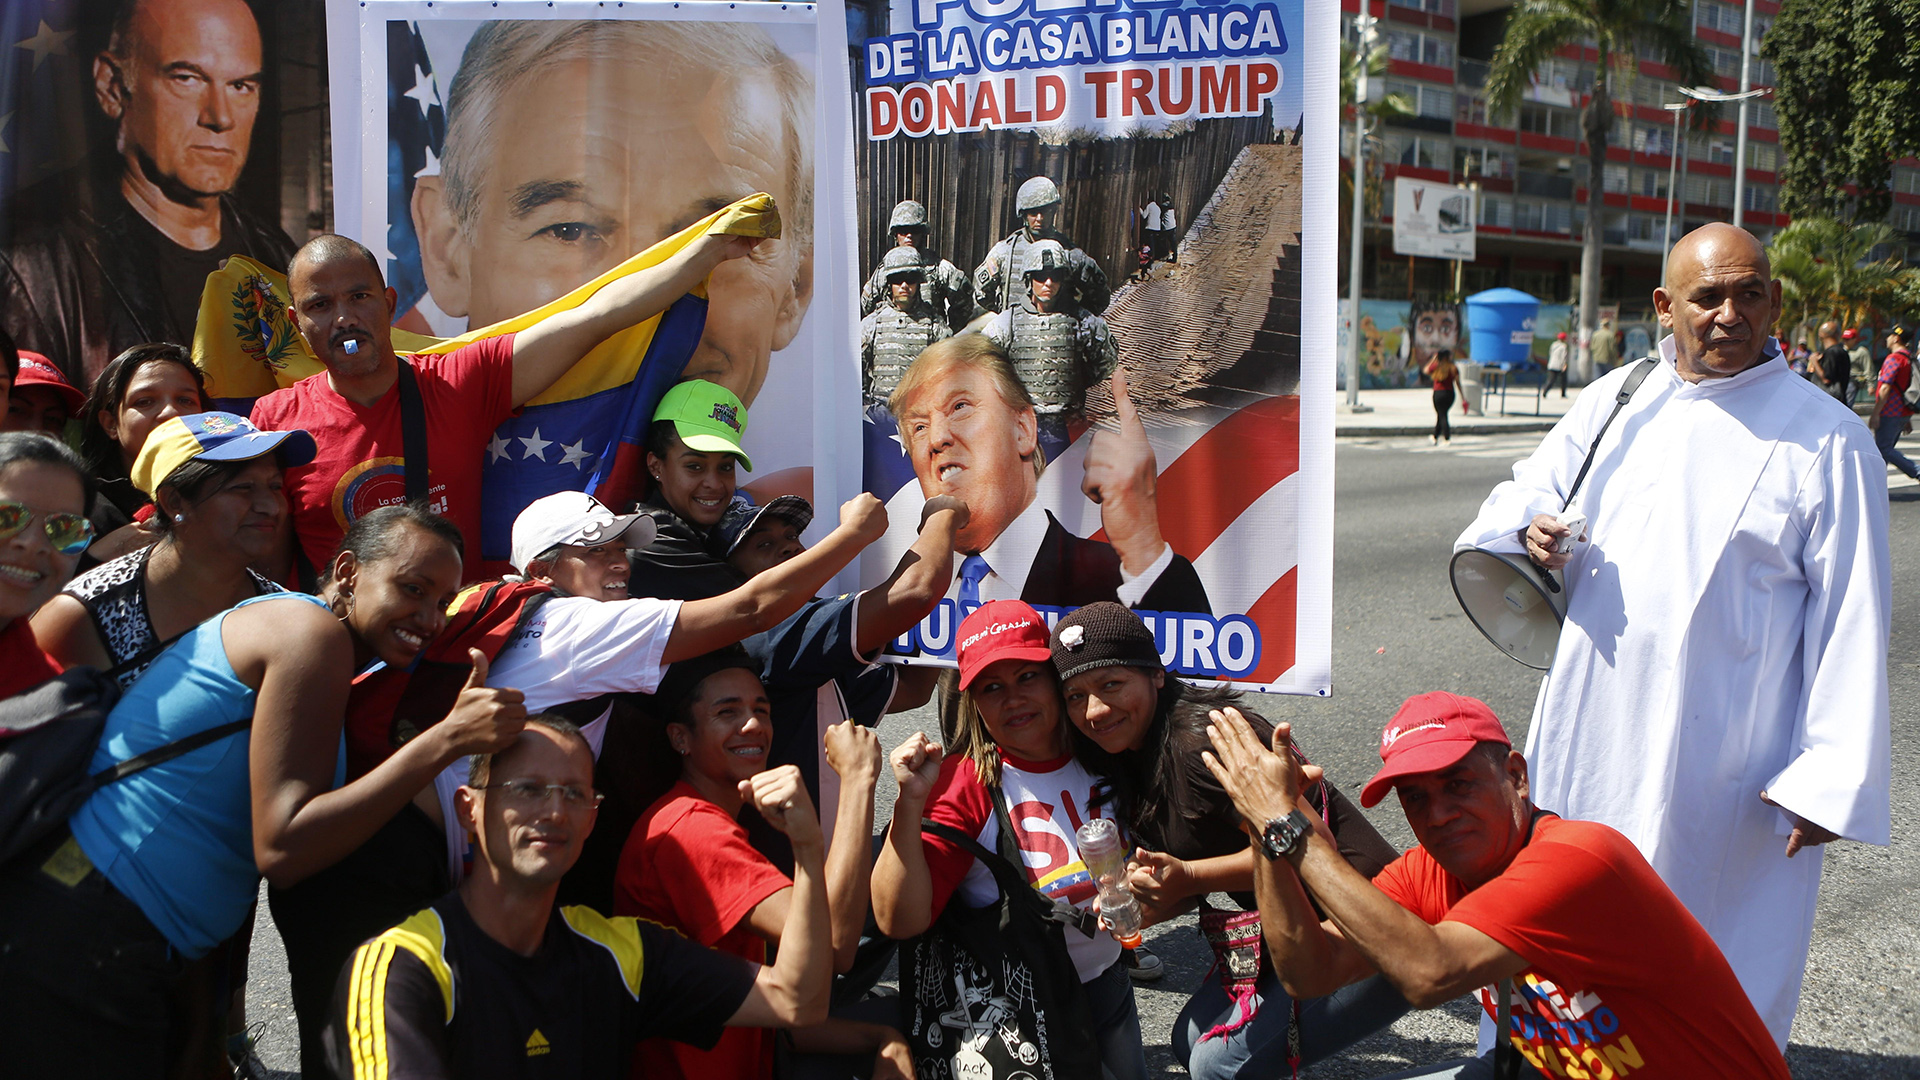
[(1058, 347), (947, 289), (903, 324), (997, 281)]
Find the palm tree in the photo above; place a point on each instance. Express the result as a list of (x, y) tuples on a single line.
[(1619, 31), (1826, 271), (1380, 107)]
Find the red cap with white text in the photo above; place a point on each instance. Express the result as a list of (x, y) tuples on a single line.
[(1001, 630), (1432, 731)]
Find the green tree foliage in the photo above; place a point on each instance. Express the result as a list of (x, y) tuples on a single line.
[(1826, 271), (1618, 31), (1846, 76)]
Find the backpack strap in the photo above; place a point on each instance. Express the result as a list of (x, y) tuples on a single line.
[(1012, 881), (121, 770), (1634, 378), (413, 432)]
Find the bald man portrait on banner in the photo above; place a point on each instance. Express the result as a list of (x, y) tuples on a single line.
[(573, 145), (100, 265)]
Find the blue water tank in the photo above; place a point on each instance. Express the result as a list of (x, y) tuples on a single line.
[(1500, 326)]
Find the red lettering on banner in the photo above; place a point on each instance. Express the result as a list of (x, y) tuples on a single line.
[(883, 112), (916, 109), (1138, 90), (1220, 89), (1262, 79), (1052, 93), (950, 102), (986, 108), (1168, 103), (1014, 115), (1101, 82)]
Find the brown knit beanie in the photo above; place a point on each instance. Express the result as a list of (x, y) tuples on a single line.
[(1102, 635)]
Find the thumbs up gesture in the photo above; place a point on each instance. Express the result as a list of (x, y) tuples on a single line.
[(484, 719), (1121, 476)]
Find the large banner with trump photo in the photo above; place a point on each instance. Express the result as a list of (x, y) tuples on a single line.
[(1097, 258)]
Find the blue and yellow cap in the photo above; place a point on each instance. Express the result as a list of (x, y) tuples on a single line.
[(707, 417), (212, 436)]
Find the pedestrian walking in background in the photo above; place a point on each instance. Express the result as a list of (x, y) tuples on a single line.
[(1893, 417), (1444, 374), (1605, 347), (1833, 367), (1865, 371), (1556, 365)]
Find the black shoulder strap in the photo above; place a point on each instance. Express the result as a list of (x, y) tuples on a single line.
[(1007, 874), (158, 754), (1634, 378), (413, 432)]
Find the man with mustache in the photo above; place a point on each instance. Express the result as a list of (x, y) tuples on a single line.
[(180, 81), (1719, 694), (344, 309)]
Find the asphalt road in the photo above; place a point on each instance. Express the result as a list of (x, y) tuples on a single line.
[(1398, 631)]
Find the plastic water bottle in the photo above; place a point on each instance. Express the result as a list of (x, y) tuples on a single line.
[(1105, 857)]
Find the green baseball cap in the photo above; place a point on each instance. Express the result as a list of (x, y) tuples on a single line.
[(707, 418)]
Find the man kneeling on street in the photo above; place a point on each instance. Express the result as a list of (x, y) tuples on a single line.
[(1601, 972), (495, 981)]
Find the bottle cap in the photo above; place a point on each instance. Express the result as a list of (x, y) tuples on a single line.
[(1131, 941)]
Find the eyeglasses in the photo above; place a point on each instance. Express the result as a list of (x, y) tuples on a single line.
[(68, 533), (528, 795)]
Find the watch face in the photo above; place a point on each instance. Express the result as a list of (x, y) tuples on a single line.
[(1281, 837)]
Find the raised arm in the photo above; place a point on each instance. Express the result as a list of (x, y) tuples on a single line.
[(1366, 930), (918, 581), (793, 990), (546, 350), (301, 659), (902, 881), (772, 595)]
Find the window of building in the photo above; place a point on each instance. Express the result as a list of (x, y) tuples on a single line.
[(1496, 212), (1760, 197), (1431, 7), (1547, 120), (1906, 181), (1427, 100), (1763, 156), (1473, 161), (1544, 284), (1419, 48), (1651, 183), (1760, 115), (1420, 151), (1552, 217), (1708, 191), (1644, 228), (1652, 139), (1616, 179), (1907, 218)]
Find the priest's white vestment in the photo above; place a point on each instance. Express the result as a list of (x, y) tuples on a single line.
[(1726, 633)]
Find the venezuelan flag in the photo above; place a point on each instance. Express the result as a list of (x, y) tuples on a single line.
[(587, 432)]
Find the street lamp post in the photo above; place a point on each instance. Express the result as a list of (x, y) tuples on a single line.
[(1364, 23), (1740, 137), (1701, 93), (1673, 170)]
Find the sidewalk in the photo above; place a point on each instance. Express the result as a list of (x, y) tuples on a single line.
[(1410, 412)]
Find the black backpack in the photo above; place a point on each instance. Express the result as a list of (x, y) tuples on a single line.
[(48, 735), (996, 982)]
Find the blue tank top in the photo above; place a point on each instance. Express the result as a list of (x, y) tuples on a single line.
[(177, 839)]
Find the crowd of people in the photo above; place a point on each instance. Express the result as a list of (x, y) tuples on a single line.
[(570, 818)]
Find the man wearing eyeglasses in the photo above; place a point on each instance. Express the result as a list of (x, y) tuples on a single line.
[(1058, 347), (495, 981)]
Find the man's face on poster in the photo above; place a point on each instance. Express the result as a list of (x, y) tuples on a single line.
[(183, 83), (1435, 330), (591, 162), (964, 439)]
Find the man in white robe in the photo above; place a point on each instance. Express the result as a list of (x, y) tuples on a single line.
[(1720, 690)]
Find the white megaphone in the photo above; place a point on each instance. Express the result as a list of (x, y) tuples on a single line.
[(1517, 605)]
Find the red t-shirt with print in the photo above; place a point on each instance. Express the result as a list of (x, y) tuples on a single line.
[(360, 463), (1623, 981), (688, 865)]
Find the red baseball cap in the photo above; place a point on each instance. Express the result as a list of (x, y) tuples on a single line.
[(1431, 732), (1849, 334), (37, 370), (1001, 630)]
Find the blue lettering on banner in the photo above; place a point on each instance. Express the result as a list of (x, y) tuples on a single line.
[(1015, 35), (1190, 643)]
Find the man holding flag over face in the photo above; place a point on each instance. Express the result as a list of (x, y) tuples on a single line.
[(460, 390)]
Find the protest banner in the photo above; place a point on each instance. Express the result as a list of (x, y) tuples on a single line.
[(1091, 188)]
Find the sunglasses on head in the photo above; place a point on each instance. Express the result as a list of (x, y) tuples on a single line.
[(68, 533)]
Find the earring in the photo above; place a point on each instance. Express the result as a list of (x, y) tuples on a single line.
[(178, 518)]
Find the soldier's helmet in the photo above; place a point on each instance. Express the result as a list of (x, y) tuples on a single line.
[(901, 262), (908, 215), (1047, 257), (1037, 193)]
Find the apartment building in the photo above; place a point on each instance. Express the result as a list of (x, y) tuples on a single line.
[(1531, 165)]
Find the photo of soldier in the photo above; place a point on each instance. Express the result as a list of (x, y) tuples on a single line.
[(176, 87), (997, 280), (945, 287), (572, 145), (901, 326), (1058, 347)]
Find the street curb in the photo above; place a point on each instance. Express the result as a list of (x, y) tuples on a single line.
[(1468, 428)]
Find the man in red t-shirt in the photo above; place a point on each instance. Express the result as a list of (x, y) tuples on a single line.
[(1605, 972), (345, 311), (1892, 416)]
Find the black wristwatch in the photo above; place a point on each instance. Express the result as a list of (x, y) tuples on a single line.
[(1284, 836)]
